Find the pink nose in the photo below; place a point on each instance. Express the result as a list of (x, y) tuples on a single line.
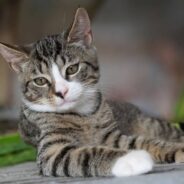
[(62, 93)]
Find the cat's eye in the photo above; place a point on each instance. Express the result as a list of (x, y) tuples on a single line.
[(40, 81), (72, 69)]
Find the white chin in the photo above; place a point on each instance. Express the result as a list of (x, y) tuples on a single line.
[(65, 107)]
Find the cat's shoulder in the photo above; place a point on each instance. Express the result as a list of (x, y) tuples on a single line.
[(123, 107), (125, 115)]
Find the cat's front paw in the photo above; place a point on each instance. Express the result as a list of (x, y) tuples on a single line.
[(179, 156), (134, 163)]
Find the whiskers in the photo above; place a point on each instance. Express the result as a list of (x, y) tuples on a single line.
[(89, 92), (90, 89), (43, 101)]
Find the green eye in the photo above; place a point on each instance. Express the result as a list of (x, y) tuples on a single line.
[(40, 81), (72, 69)]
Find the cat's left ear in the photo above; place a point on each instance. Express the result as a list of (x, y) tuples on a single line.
[(80, 31), (14, 55)]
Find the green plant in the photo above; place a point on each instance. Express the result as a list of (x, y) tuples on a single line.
[(179, 111), (13, 150)]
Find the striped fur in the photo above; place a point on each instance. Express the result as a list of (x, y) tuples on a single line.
[(73, 145), (75, 130)]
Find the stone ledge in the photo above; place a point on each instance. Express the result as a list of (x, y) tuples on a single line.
[(28, 173)]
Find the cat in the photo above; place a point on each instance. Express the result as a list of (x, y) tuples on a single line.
[(77, 132)]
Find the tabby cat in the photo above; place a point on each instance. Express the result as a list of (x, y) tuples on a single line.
[(76, 131)]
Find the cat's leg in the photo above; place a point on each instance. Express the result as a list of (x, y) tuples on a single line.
[(73, 161), (161, 151), (157, 128)]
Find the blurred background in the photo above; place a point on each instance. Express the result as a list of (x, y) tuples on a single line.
[(140, 46)]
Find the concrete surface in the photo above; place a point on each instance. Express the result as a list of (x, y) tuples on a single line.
[(27, 173)]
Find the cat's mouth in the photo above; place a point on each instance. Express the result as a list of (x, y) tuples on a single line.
[(69, 101), (66, 102)]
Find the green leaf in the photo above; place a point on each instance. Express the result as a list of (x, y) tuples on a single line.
[(179, 112), (23, 156), (13, 150)]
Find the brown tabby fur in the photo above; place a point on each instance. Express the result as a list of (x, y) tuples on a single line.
[(76, 144)]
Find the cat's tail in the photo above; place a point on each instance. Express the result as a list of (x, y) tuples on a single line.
[(157, 128)]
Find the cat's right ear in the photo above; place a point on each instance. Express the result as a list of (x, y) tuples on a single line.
[(15, 56), (80, 31)]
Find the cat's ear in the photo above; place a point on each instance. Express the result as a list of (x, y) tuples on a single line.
[(14, 55), (80, 31)]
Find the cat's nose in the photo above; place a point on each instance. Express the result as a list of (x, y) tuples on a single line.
[(62, 93)]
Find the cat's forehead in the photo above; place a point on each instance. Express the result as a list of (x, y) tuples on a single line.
[(48, 51), (51, 48), (48, 47)]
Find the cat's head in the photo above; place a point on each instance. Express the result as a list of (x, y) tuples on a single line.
[(58, 73)]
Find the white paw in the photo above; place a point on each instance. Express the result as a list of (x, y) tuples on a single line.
[(134, 163)]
